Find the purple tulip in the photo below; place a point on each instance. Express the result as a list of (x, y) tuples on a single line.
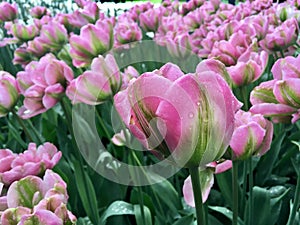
[(186, 107), (98, 84), (8, 12), (9, 94), (252, 135), (93, 40)]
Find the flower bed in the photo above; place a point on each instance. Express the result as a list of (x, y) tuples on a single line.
[(171, 113)]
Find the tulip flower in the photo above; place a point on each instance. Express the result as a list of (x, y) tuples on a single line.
[(149, 20), (252, 135), (9, 94), (127, 31), (186, 108), (98, 84), (22, 56), (39, 11), (37, 48), (33, 161), (179, 45), (8, 12), (207, 181), (43, 84), (93, 40), (286, 68), (24, 32), (53, 36), (282, 36)]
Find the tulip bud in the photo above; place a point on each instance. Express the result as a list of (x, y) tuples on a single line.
[(149, 20), (14, 215), (8, 12), (98, 84), (93, 40), (8, 93), (22, 56), (252, 135), (179, 46), (286, 68)]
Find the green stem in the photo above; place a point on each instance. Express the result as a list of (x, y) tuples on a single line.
[(296, 204), (194, 172), (250, 191), (141, 201), (244, 95), (281, 53), (100, 120), (21, 122), (235, 188), (245, 173)]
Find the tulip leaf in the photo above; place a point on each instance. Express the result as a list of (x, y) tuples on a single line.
[(267, 162), (213, 221), (187, 220), (226, 212), (86, 192), (117, 208), (139, 216)]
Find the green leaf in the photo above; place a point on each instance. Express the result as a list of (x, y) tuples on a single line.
[(213, 221), (117, 208), (139, 217), (187, 220), (267, 162), (226, 212), (86, 192)]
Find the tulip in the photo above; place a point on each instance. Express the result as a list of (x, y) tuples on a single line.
[(22, 56), (24, 32), (127, 31), (39, 11), (53, 36), (286, 68), (186, 107), (98, 84), (9, 94), (282, 36), (129, 74), (179, 46), (93, 40), (41, 217), (31, 162), (43, 84), (8, 12), (14, 215), (207, 181), (6, 158), (37, 48), (149, 20), (252, 135)]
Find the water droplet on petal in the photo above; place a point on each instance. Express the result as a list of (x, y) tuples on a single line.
[(191, 115)]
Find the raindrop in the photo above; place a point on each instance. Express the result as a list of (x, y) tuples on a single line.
[(191, 115)]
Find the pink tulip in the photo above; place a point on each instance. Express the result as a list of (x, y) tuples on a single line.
[(82, 3), (44, 217), (286, 68), (92, 41), (6, 158), (13, 215), (31, 162), (53, 36), (129, 74), (39, 11), (207, 181), (98, 84), (24, 32), (3, 204), (22, 56), (179, 45), (8, 12), (149, 20), (182, 105), (43, 84), (9, 94), (252, 135), (37, 48), (127, 31), (282, 36), (90, 12)]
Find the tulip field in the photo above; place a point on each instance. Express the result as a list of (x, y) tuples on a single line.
[(143, 113)]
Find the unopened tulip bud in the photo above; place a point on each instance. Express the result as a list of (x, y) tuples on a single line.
[(8, 12)]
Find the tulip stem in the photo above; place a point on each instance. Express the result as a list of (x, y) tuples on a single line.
[(250, 191), (21, 122), (281, 53), (194, 172), (296, 204), (235, 188)]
